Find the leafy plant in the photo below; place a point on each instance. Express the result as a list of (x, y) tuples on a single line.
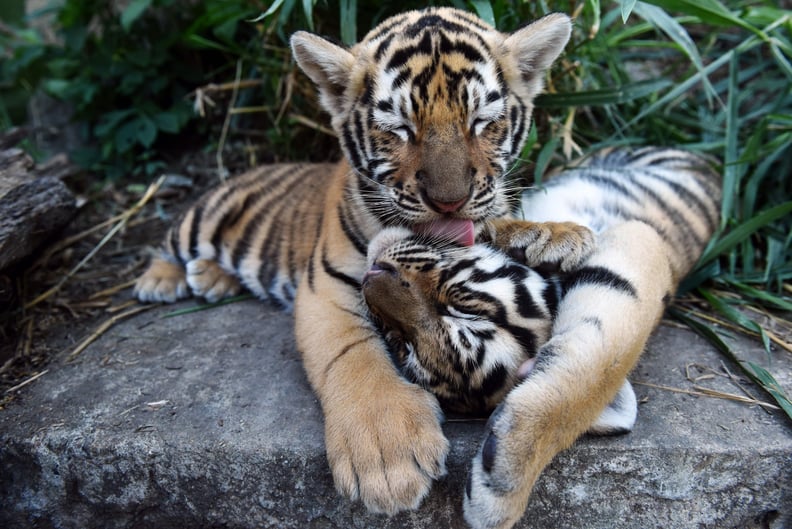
[(126, 75)]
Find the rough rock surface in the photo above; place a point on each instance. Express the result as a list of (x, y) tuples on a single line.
[(206, 420)]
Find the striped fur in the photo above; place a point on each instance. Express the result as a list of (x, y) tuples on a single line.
[(460, 321), (431, 109), (243, 232), (654, 211)]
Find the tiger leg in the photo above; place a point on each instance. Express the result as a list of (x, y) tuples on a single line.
[(537, 243), (613, 305), (383, 436)]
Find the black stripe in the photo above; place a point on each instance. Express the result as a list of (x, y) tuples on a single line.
[(469, 52), (346, 349), (687, 196), (352, 233), (597, 275), (263, 212), (337, 274), (195, 228)]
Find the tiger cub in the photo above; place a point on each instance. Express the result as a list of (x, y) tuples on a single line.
[(466, 322), (463, 322), (431, 109)]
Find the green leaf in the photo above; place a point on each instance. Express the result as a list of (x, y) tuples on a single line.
[(272, 8), (140, 131), (771, 385), (543, 159), (167, 122), (308, 10), (608, 96), (484, 11), (626, 8), (676, 32), (757, 374), (348, 21), (59, 88), (109, 121), (132, 12), (745, 230), (709, 11)]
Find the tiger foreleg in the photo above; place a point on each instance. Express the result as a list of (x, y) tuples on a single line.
[(614, 302), (383, 437), (565, 244)]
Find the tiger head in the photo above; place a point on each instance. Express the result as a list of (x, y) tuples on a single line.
[(459, 320), (432, 107)]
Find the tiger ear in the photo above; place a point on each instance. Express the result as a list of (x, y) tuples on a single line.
[(536, 46), (329, 66)]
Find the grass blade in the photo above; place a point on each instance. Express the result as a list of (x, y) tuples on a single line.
[(609, 96), (676, 32), (760, 377), (745, 230)]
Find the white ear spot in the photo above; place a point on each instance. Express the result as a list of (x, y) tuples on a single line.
[(536, 46), (329, 66)]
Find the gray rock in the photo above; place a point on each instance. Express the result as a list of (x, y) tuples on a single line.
[(207, 420)]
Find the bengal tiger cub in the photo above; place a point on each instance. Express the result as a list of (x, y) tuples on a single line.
[(468, 322), (465, 321)]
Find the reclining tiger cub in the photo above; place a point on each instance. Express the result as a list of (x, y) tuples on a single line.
[(431, 108), (470, 322)]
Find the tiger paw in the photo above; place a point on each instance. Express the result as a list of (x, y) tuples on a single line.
[(208, 280), (163, 281), (562, 244), (501, 477), (389, 450)]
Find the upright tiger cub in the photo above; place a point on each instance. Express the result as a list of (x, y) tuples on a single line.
[(431, 109), (468, 322)]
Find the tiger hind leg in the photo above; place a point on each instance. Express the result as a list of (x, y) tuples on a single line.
[(164, 281)]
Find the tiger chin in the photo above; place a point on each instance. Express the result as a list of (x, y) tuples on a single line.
[(478, 327)]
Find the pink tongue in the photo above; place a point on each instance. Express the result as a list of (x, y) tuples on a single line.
[(459, 230)]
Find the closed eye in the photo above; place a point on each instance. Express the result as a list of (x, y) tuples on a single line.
[(455, 312), (405, 133), (479, 125)]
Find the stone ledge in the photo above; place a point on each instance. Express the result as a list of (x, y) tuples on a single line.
[(206, 420)]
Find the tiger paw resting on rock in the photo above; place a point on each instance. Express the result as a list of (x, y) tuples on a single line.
[(470, 322)]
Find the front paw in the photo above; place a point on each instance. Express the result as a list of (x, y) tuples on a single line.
[(561, 244), (500, 481), (387, 450)]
